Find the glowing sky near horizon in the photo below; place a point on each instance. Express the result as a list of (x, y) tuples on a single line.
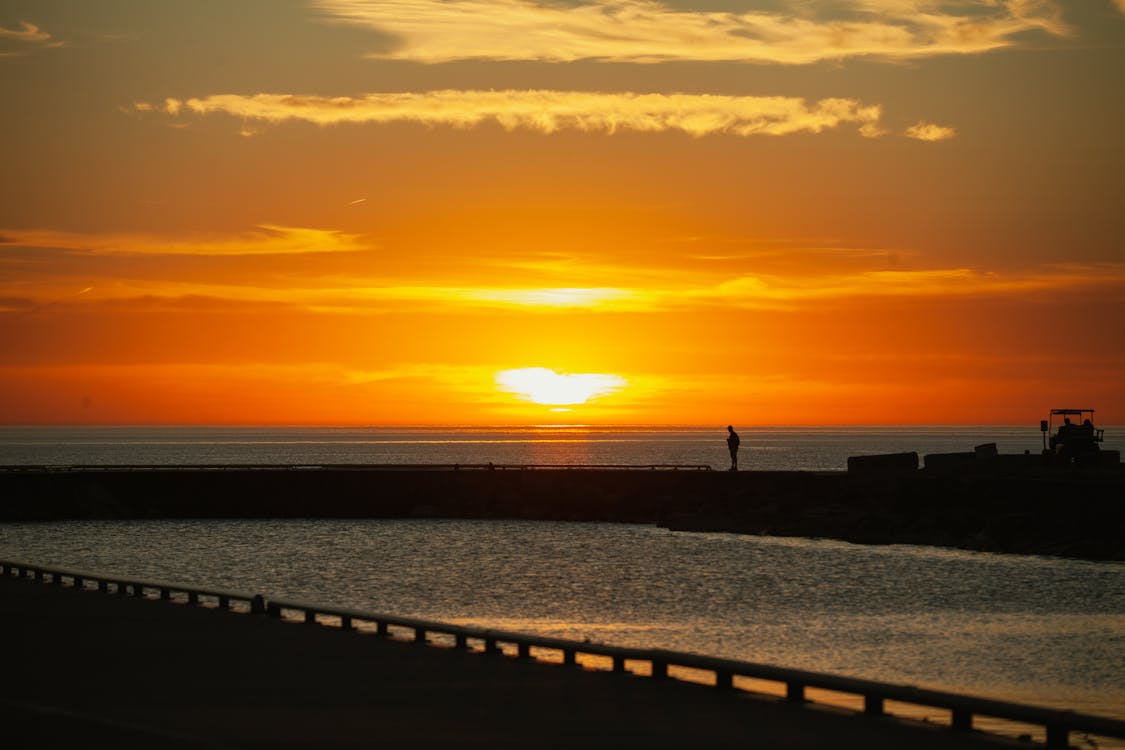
[(641, 211)]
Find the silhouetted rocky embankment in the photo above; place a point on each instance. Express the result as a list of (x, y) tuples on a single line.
[(1064, 513)]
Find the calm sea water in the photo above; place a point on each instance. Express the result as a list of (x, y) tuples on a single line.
[(774, 448), (1038, 630)]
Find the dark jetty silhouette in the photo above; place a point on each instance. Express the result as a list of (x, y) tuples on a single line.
[(977, 500)]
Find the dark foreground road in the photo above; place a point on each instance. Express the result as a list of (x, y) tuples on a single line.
[(83, 669)]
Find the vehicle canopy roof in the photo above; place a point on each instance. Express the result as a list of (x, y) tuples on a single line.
[(1071, 411)]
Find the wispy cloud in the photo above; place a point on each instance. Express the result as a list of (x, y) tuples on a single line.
[(374, 295), (925, 131), (776, 292), (28, 32), (76, 274), (266, 239), (436, 31), (549, 111), (946, 282), (28, 35), (542, 297)]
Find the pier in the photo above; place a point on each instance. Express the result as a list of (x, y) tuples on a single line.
[(1005, 508), (110, 661)]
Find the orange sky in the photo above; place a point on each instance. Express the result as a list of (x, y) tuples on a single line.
[(367, 211)]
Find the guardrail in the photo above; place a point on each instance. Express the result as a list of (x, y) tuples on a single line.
[(349, 467), (963, 708), (128, 586)]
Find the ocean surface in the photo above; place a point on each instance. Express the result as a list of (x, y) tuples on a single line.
[(1038, 630), (766, 448)]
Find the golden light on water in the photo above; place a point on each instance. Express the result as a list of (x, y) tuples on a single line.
[(544, 386)]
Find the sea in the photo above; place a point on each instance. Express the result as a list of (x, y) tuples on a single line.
[(763, 448), (1039, 630)]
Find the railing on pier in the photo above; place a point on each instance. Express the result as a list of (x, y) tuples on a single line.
[(963, 708), (352, 467)]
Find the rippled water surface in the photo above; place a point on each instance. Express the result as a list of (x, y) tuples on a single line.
[(1039, 630)]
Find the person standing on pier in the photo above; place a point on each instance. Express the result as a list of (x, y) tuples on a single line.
[(732, 446)]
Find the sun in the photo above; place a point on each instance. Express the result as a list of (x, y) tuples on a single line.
[(549, 388)]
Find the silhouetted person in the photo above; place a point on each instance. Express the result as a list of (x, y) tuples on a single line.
[(732, 446), (1066, 428)]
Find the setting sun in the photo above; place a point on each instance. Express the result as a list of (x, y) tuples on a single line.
[(814, 213), (549, 388)]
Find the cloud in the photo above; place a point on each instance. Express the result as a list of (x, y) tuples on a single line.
[(266, 239), (764, 292), (550, 111), (784, 291), (646, 31), (1120, 5), (925, 131), (359, 295), (121, 271), (27, 34), (543, 298)]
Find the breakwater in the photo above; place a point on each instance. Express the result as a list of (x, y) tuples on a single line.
[(1068, 513)]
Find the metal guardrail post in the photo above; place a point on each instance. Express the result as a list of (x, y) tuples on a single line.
[(724, 680), (795, 692), (962, 720), (873, 705), (1058, 736), (659, 669)]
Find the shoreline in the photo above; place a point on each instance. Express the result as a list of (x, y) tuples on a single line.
[(1065, 513)]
